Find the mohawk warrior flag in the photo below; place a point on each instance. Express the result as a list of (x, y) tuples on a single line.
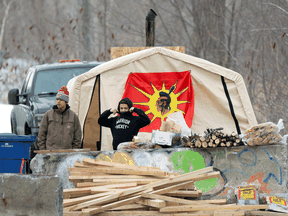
[(159, 94)]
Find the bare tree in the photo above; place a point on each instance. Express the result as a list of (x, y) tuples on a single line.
[(6, 8), (86, 48), (246, 36)]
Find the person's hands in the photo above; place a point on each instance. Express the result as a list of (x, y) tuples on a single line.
[(131, 109), (114, 111)]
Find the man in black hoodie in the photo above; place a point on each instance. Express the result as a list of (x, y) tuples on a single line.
[(125, 126)]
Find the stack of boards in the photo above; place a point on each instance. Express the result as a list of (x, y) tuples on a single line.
[(107, 188)]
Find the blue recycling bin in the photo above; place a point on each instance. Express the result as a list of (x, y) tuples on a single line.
[(13, 149)]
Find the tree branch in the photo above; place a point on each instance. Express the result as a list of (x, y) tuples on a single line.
[(4, 22)]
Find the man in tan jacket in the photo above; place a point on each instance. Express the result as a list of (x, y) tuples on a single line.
[(60, 127)]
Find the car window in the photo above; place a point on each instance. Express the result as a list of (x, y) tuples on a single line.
[(30, 81), (52, 80), (23, 90)]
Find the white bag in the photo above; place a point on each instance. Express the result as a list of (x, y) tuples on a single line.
[(178, 119)]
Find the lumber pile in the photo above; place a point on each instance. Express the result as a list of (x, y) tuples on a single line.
[(107, 188), (212, 138)]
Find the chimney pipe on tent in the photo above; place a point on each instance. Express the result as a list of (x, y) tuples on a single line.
[(150, 27)]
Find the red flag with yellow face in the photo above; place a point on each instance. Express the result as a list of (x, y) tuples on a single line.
[(159, 94)]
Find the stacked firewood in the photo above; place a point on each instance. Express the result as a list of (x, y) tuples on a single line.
[(107, 188), (212, 138)]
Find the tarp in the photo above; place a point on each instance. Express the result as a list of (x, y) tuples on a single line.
[(220, 95)]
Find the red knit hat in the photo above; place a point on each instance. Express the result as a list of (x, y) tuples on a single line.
[(63, 94)]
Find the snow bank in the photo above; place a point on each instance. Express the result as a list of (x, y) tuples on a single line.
[(5, 113)]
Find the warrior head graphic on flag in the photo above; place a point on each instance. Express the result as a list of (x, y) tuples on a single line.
[(164, 100), (160, 94)]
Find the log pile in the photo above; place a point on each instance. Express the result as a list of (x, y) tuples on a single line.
[(107, 188), (212, 138)]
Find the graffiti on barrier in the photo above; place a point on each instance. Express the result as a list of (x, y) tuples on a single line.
[(278, 179), (117, 157), (187, 161)]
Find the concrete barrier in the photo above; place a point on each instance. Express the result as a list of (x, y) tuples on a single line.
[(265, 166), (28, 195)]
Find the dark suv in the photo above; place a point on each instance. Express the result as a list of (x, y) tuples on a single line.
[(38, 93)]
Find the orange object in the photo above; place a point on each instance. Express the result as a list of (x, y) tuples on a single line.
[(22, 164), (71, 60)]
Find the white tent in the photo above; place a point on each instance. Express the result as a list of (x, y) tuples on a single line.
[(220, 94)]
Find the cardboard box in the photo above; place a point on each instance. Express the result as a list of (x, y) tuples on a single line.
[(161, 138)]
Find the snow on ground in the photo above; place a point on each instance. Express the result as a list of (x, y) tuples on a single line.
[(5, 113)]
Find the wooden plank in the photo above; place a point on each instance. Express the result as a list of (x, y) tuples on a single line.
[(61, 151), (152, 213), (79, 175), (174, 187), (89, 184), (107, 185), (66, 209), (118, 165), (124, 180), (107, 199), (75, 181), (183, 193), (113, 205), (183, 201), (129, 213), (119, 171), (229, 213), (152, 202), (72, 196), (168, 199), (123, 185), (130, 207), (80, 164), (199, 177), (71, 173), (209, 208), (76, 213), (115, 190), (264, 213), (138, 181), (96, 184), (70, 202), (171, 184), (76, 191), (96, 189)]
